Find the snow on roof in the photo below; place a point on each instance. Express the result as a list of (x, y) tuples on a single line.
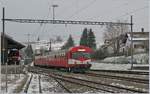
[(139, 38)]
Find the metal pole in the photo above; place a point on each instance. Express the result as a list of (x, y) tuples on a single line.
[(131, 43), (54, 12), (4, 46), (50, 48), (15, 69)]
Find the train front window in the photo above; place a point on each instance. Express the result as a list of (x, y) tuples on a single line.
[(78, 55)]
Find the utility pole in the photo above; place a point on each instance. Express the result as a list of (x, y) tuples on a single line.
[(50, 44), (131, 43), (3, 49), (54, 6)]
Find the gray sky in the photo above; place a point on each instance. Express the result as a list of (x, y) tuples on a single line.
[(93, 10)]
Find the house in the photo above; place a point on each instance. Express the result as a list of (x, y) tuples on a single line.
[(122, 43), (140, 41)]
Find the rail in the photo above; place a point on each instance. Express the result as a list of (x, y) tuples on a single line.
[(123, 71), (92, 84), (137, 80)]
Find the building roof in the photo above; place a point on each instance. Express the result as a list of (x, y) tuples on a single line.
[(145, 33), (12, 43), (139, 36)]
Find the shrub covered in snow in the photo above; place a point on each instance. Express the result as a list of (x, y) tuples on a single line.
[(141, 58), (138, 58)]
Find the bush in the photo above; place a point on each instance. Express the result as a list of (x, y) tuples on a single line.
[(99, 54)]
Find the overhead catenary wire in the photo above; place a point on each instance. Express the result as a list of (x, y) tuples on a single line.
[(54, 26), (44, 26), (134, 11), (83, 8), (109, 10)]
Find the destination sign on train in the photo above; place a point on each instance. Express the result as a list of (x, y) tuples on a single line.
[(81, 49)]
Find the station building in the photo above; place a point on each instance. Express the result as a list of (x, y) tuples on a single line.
[(9, 43)]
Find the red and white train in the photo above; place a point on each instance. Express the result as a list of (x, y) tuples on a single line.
[(75, 59), (14, 56)]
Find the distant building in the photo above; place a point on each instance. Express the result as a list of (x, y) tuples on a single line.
[(44, 46), (122, 43), (140, 41), (9, 43)]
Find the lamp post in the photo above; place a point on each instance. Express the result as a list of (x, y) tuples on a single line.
[(54, 6)]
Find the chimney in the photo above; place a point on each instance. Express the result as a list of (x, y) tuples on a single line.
[(142, 29)]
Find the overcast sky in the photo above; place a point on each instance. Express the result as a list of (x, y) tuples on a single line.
[(91, 10)]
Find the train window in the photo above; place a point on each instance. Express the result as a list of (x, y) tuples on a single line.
[(78, 55), (55, 56)]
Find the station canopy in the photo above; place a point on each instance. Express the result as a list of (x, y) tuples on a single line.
[(11, 43)]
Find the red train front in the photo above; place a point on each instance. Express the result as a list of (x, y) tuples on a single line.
[(14, 57), (75, 59)]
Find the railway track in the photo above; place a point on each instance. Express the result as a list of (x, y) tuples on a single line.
[(45, 74), (137, 80), (65, 88), (96, 85), (26, 90), (91, 84), (114, 76), (27, 85), (122, 72)]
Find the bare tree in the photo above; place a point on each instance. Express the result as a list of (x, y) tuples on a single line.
[(113, 34)]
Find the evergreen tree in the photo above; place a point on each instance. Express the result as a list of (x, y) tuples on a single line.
[(70, 43), (91, 40), (29, 51), (84, 38)]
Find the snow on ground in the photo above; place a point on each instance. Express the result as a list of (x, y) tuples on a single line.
[(32, 64), (111, 66), (34, 85), (13, 82), (138, 58), (105, 66), (141, 58), (49, 85), (121, 62), (131, 87)]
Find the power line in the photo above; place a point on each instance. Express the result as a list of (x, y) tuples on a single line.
[(129, 13), (118, 7), (66, 8), (44, 26), (83, 8), (1, 2)]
